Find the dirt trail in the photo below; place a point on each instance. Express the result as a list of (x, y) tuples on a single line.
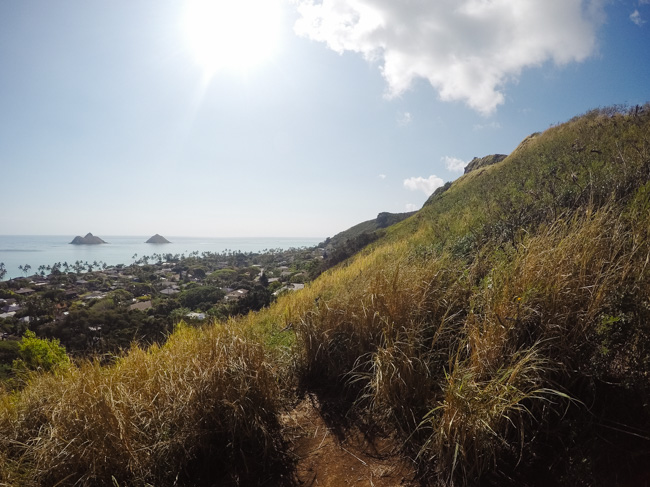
[(330, 455)]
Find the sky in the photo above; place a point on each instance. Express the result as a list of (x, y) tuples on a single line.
[(284, 118)]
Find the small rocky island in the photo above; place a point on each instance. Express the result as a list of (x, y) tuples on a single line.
[(89, 239), (157, 239)]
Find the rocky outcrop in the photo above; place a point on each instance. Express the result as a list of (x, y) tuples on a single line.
[(479, 162), (157, 239), (89, 239)]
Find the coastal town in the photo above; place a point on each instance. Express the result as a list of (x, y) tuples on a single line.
[(95, 309)]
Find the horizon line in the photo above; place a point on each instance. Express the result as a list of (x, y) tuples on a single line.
[(145, 236)]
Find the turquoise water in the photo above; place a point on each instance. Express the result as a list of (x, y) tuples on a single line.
[(16, 250)]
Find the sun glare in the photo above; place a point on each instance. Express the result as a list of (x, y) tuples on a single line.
[(232, 34)]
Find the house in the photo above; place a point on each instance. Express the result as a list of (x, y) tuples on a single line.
[(236, 295), (169, 291), (25, 291), (142, 306), (95, 295), (71, 294), (11, 308), (289, 287), (195, 316), (59, 309)]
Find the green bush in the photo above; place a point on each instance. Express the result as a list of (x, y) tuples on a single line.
[(40, 354)]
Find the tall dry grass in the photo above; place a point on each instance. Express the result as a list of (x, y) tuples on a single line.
[(470, 363), (481, 420), (528, 340), (202, 409), (385, 295), (476, 328)]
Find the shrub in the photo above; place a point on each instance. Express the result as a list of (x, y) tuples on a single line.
[(39, 354)]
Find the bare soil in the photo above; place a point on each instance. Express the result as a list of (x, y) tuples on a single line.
[(330, 453)]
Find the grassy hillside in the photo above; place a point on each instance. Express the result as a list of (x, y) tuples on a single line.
[(504, 328), (383, 220), (502, 332), (345, 244)]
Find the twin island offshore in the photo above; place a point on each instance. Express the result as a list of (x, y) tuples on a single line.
[(91, 239)]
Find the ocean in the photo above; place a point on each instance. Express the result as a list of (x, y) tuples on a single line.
[(17, 250)]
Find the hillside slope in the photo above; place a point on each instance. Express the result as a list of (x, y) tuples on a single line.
[(503, 329), (383, 220), (501, 334)]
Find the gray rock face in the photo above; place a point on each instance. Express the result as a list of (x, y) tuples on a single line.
[(89, 239), (157, 239), (478, 162)]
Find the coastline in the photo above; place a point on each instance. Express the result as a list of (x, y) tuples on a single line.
[(44, 250)]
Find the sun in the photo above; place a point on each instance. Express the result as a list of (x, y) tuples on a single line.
[(232, 35)]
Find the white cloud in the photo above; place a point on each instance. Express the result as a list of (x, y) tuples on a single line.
[(454, 164), (491, 125), (467, 49), (382, 176), (428, 186), (411, 207), (404, 119), (636, 18)]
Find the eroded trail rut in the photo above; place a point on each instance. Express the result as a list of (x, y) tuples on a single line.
[(332, 455)]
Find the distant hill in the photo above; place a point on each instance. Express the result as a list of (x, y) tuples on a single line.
[(89, 239), (347, 243), (157, 239), (383, 220)]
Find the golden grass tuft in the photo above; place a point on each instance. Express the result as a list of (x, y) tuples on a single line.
[(482, 419), (381, 297), (204, 404)]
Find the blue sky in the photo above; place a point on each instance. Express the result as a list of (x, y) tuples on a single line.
[(284, 118)]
